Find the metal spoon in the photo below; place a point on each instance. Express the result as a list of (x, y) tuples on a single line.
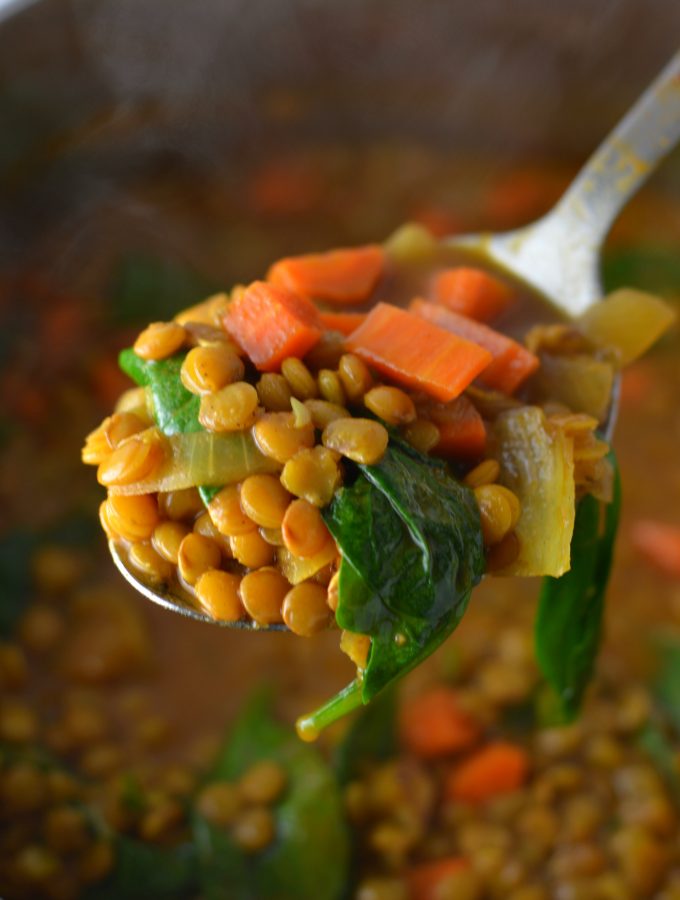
[(558, 256)]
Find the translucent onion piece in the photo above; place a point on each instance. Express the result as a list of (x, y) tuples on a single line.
[(582, 383), (201, 458), (297, 569), (628, 322), (537, 463)]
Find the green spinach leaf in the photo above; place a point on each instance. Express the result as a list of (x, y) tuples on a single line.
[(145, 872), (412, 551), (570, 611), (147, 288), (666, 683), (649, 268), (175, 408), (309, 858)]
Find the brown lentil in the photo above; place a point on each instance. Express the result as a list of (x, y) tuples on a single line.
[(166, 538), (322, 412), (278, 437), (254, 829), (146, 560), (251, 550), (486, 472), (356, 646), (96, 862), (41, 628), (262, 594), (232, 408), (66, 830), (262, 783), (23, 789), (134, 460), (133, 517), (160, 340), (161, 820), (181, 504), (330, 387), (495, 511), (265, 500), (18, 722), (361, 440), (312, 475), (422, 434), (305, 609), (226, 512), (327, 352), (206, 370), (196, 555), (383, 888), (391, 404), (300, 380), (219, 803), (354, 375), (274, 392), (13, 667), (304, 530), (332, 591), (503, 554), (208, 311)]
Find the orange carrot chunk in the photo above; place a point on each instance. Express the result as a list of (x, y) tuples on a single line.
[(512, 363), (338, 276), (417, 353), (270, 323), (343, 322), (435, 724), (472, 292), (498, 768), (659, 543), (425, 880), (462, 433)]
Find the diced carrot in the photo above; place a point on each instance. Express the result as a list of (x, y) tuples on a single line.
[(417, 353), (434, 724), (271, 323), (343, 276), (512, 363), (659, 543), (472, 292), (284, 187), (637, 384), (462, 433), (345, 323), (425, 879), (438, 220), (498, 768)]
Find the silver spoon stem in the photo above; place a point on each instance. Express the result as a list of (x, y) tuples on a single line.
[(559, 254)]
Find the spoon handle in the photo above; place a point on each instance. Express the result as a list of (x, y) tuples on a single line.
[(622, 163), (559, 254)]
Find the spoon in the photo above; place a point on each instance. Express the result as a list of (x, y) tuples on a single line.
[(558, 256)]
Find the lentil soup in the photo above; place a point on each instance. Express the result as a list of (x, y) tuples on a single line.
[(113, 764)]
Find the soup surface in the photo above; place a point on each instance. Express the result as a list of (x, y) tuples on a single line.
[(112, 706)]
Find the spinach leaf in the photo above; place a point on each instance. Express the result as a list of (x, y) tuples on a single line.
[(412, 551), (649, 268), (371, 737), (570, 611), (145, 872), (175, 408), (666, 683), (147, 288), (309, 858), (654, 741)]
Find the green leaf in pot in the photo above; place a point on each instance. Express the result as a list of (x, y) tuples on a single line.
[(651, 268), (146, 872), (569, 620), (308, 859), (147, 288), (412, 551)]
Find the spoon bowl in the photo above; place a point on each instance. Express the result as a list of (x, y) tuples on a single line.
[(557, 257)]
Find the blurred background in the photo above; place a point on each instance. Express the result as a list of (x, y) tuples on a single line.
[(154, 151)]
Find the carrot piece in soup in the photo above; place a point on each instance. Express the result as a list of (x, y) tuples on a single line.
[(472, 292), (426, 879), (435, 724), (498, 768), (417, 353), (270, 324), (338, 276), (659, 543), (462, 433), (343, 322), (512, 363)]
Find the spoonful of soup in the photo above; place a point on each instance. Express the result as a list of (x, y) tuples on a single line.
[(357, 438)]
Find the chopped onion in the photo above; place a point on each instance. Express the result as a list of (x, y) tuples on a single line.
[(627, 322), (536, 458), (202, 458), (581, 382), (297, 569)]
